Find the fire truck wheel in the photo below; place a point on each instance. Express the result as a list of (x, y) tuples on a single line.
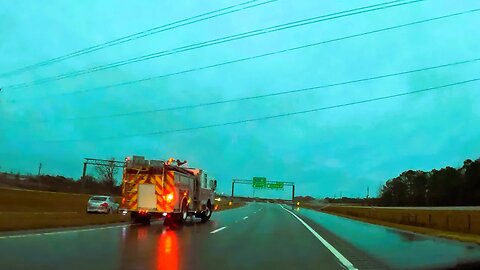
[(146, 220), (167, 221), (174, 219), (184, 213), (142, 219), (207, 213), (134, 217)]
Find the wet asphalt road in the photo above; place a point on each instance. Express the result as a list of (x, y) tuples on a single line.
[(257, 236)]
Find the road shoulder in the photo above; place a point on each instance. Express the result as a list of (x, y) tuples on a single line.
[(421, 230), (358, 258)]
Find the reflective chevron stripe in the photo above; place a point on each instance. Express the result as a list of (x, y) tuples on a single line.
[(164, 184)]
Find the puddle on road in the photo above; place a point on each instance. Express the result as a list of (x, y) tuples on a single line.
[(399, 249)]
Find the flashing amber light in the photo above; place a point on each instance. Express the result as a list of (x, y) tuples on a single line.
[(169, 197), (229, 203), (298, 203), (185, 194)]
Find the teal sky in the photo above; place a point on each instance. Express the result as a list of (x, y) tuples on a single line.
[(326, 153)]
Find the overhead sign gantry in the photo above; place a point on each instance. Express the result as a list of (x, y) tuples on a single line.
[(101, 162), (262, 183)]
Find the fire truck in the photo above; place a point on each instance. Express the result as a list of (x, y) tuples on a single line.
[(155, 188)]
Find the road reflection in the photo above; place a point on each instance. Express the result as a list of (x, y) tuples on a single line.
[(142, 233), (167, 250), (162, 247)]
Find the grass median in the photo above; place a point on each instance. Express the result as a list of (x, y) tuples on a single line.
[(30, 220), (225, 204), (28, 209)]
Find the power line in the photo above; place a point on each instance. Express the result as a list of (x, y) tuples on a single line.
[(212, 42), (145, 33), (175, 108), (257, 32), (259, 55), (363, 101)]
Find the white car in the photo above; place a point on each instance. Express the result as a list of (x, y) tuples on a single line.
[(102, 204)]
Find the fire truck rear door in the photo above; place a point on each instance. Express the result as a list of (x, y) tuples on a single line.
[(146, 196)]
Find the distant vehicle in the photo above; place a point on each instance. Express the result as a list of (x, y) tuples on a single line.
[(102, 204), (163, 189)]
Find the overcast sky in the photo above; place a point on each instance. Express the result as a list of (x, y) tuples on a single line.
[(341, 150)]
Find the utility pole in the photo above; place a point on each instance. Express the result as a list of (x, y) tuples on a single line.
[(84, 169), (368, 192), (39, 172)]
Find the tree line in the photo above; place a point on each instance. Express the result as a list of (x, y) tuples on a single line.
[(445, 187), (104, 183)]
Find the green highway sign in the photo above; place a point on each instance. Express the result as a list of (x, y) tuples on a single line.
[(276, 185), (259, 182)]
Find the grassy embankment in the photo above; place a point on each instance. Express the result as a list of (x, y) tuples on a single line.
[(25, 209), (463, 225)]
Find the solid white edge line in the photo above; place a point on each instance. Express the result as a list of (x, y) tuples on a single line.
[(219, 229), (245, 217), (333, 250), (60, 232)]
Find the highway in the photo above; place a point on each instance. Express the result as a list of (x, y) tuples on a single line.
[(257, 236)]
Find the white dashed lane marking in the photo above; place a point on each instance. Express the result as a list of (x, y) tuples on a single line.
[(219, 229)]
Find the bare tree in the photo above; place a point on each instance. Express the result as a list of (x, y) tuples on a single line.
[(107, 172)]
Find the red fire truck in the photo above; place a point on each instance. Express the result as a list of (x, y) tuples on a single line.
[(165, 189)]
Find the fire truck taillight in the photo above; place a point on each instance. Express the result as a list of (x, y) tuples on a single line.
[(123, 201)]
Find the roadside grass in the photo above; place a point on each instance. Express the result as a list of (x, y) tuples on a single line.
[(29, 221), (462, 225), (15, 200), (26, 210)]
